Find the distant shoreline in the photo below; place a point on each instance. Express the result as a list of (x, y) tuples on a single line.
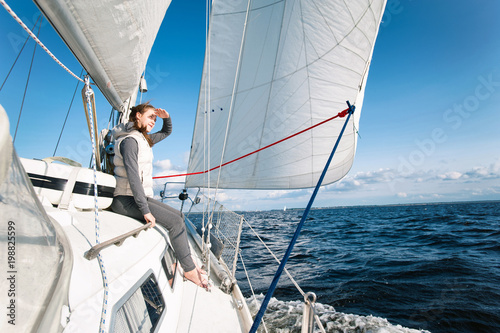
[(382, 205), (359, 206)]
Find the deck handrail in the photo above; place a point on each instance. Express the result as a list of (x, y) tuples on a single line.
[(94, 250)]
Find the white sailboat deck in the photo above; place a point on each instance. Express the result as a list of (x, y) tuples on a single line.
[(188, 308), (212, 311)]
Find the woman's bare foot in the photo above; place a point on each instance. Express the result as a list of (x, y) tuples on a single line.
[(197, 277)]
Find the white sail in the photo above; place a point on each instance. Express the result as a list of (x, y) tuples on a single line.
[(272, 71), (100, 33)]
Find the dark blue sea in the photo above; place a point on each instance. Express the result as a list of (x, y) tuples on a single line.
[(415, 268)]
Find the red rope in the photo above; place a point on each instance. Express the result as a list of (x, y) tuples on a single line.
[(340, 114)]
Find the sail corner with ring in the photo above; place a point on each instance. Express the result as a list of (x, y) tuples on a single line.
[(272, 69)]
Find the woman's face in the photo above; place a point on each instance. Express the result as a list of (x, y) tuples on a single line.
[(147, 119)]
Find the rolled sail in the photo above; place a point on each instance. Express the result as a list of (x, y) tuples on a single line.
[(112, 39)]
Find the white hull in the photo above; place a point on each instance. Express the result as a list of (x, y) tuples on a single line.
[(188, 308)]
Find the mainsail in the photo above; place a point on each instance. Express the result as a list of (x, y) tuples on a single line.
[(273, 68), (112, 40)]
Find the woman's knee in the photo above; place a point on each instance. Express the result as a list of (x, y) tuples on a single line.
[(174, 224)]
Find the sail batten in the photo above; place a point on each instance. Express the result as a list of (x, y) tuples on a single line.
[(300, 62)]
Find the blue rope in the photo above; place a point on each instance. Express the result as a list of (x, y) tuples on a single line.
[(277, 275)]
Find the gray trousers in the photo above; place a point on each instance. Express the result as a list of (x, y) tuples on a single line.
[(166, 216)]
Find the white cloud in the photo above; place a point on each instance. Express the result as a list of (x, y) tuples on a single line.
[(453, 175), (164, 165), (279, 194), (377, 176), (491, 172), (361, 180), (345, 185), (382, 186), (222, 196), (475, 174)]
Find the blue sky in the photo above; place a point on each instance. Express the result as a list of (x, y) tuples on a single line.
[(429, 129)]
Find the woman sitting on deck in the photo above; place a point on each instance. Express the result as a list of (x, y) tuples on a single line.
[(133, 195)]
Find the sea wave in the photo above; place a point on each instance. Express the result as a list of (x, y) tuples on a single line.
[(286, 317), (427, 267)]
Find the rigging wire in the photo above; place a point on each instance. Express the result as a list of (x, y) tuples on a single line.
[(211, 210), (206, 145), (67, 114), (294, 282), (26, 87), (250, 284), (274, 283), (231, 104), (21, 51), (18, 20), (276, 258)]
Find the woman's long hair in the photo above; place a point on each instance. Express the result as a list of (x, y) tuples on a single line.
[(141, 108)]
